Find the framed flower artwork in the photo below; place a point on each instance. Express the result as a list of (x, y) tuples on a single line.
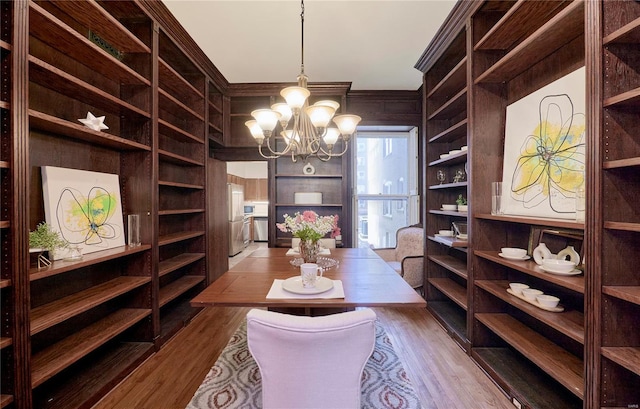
[(544, 150)]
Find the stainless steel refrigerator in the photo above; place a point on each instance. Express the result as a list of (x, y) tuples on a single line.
[(235, 195)]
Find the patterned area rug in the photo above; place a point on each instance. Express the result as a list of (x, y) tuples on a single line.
[(234, 381)]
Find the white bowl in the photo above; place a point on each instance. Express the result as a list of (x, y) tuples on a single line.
[(518, 287), (449, 207), (531, 293), (447, 233), (455, 151), (562, 266), (548, 301), (464, 148), (444, 155), (513, 252)]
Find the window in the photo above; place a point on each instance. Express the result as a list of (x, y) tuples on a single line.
[(385, 186)]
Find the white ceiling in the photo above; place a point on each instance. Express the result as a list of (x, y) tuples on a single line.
[(372, 44)]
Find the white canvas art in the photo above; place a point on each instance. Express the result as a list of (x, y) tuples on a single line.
[(544, 150), (84, 207)]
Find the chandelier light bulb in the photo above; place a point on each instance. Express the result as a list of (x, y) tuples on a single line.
[(295, 96), (347, 123), (329, 103), (267, 120), (320, 115), (255, 130), (285, 112), (331, 137)]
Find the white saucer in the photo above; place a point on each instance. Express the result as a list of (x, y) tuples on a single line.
[(513, 258), (562, 273), (462, 236), (455, 151), (294, 285), (447, 210)]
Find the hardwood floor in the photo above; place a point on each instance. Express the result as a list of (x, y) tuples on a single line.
[(443, 375)]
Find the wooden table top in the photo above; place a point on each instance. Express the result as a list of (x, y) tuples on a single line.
[(368, 281)]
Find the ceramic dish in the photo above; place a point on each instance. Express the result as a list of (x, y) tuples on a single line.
[(444, 155), (526, 257), (324, 262), (562, 273), (294, 285), (462, 236), (517, 287), (464, 148), (536, 303), (449, 207), (513, 251), (455, 151), (445, 233)]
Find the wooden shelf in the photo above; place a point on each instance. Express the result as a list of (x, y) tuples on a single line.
[(453, 319), (455, 105), (180, 185), (88, 383), (452, 133), (168, 128), (574, 283), (5, 105), (57, 34), (449, 241), (178, 159), (451, 159), (569, 322), (61, 266), (176, 318), (564, 367), (449, 185), (180, 236), (54, 125), (452, 83), (48, 315), (179, 211), (5, 46), (5, 400), (536, 221), (50, 361), (449, 213), (629, 99), (5, 282), (628, 357), (451, 263), (622, 226), (451, 289), (5, 342), (627, 34), (567, 24), (172, 104), (521, 379), (627, 293), (179, 261), (621, 163), (92, 15), (172, 81), (55, 79), (178, 287), (519, 21)]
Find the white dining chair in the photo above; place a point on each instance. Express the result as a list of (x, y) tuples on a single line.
[(311, 362)]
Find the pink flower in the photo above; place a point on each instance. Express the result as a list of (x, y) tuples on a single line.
[(309, 216)]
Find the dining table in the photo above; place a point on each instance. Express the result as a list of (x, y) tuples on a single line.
[(360, 279)]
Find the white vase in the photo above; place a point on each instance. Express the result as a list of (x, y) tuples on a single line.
[(571, 253), (540, 253)]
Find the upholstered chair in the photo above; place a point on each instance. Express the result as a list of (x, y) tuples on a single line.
[(407, 258), (311, 362)]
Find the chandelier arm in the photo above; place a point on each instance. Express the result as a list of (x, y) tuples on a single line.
[(335, 155), (275, 152), (266, 156)]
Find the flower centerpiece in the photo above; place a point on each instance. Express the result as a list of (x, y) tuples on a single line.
[(309, 228)]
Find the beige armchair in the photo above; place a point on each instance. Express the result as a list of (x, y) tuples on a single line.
[(407, 258)]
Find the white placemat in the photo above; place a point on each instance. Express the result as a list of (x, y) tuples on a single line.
[(296, 252), (277, 292)]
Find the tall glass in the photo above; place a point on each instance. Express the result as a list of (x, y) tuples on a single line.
[(496, 198), (133, 232)]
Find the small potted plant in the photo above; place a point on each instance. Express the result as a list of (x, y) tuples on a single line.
[(45, 239), (462, 203)]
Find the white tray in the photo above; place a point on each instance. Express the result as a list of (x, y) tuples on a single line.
[(559, 308)]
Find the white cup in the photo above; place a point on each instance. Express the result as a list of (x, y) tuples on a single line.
[(309, 274)]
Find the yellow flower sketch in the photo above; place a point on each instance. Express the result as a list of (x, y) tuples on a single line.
[(551, 164)]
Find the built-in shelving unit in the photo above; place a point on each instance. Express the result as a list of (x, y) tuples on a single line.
[(185, 124), (445, 87), (618, 284), (73, 330), (586, 355)]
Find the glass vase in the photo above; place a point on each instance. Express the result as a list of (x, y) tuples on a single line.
[(309, 250)]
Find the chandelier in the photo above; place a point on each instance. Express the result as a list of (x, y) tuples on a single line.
[(304, 128)]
